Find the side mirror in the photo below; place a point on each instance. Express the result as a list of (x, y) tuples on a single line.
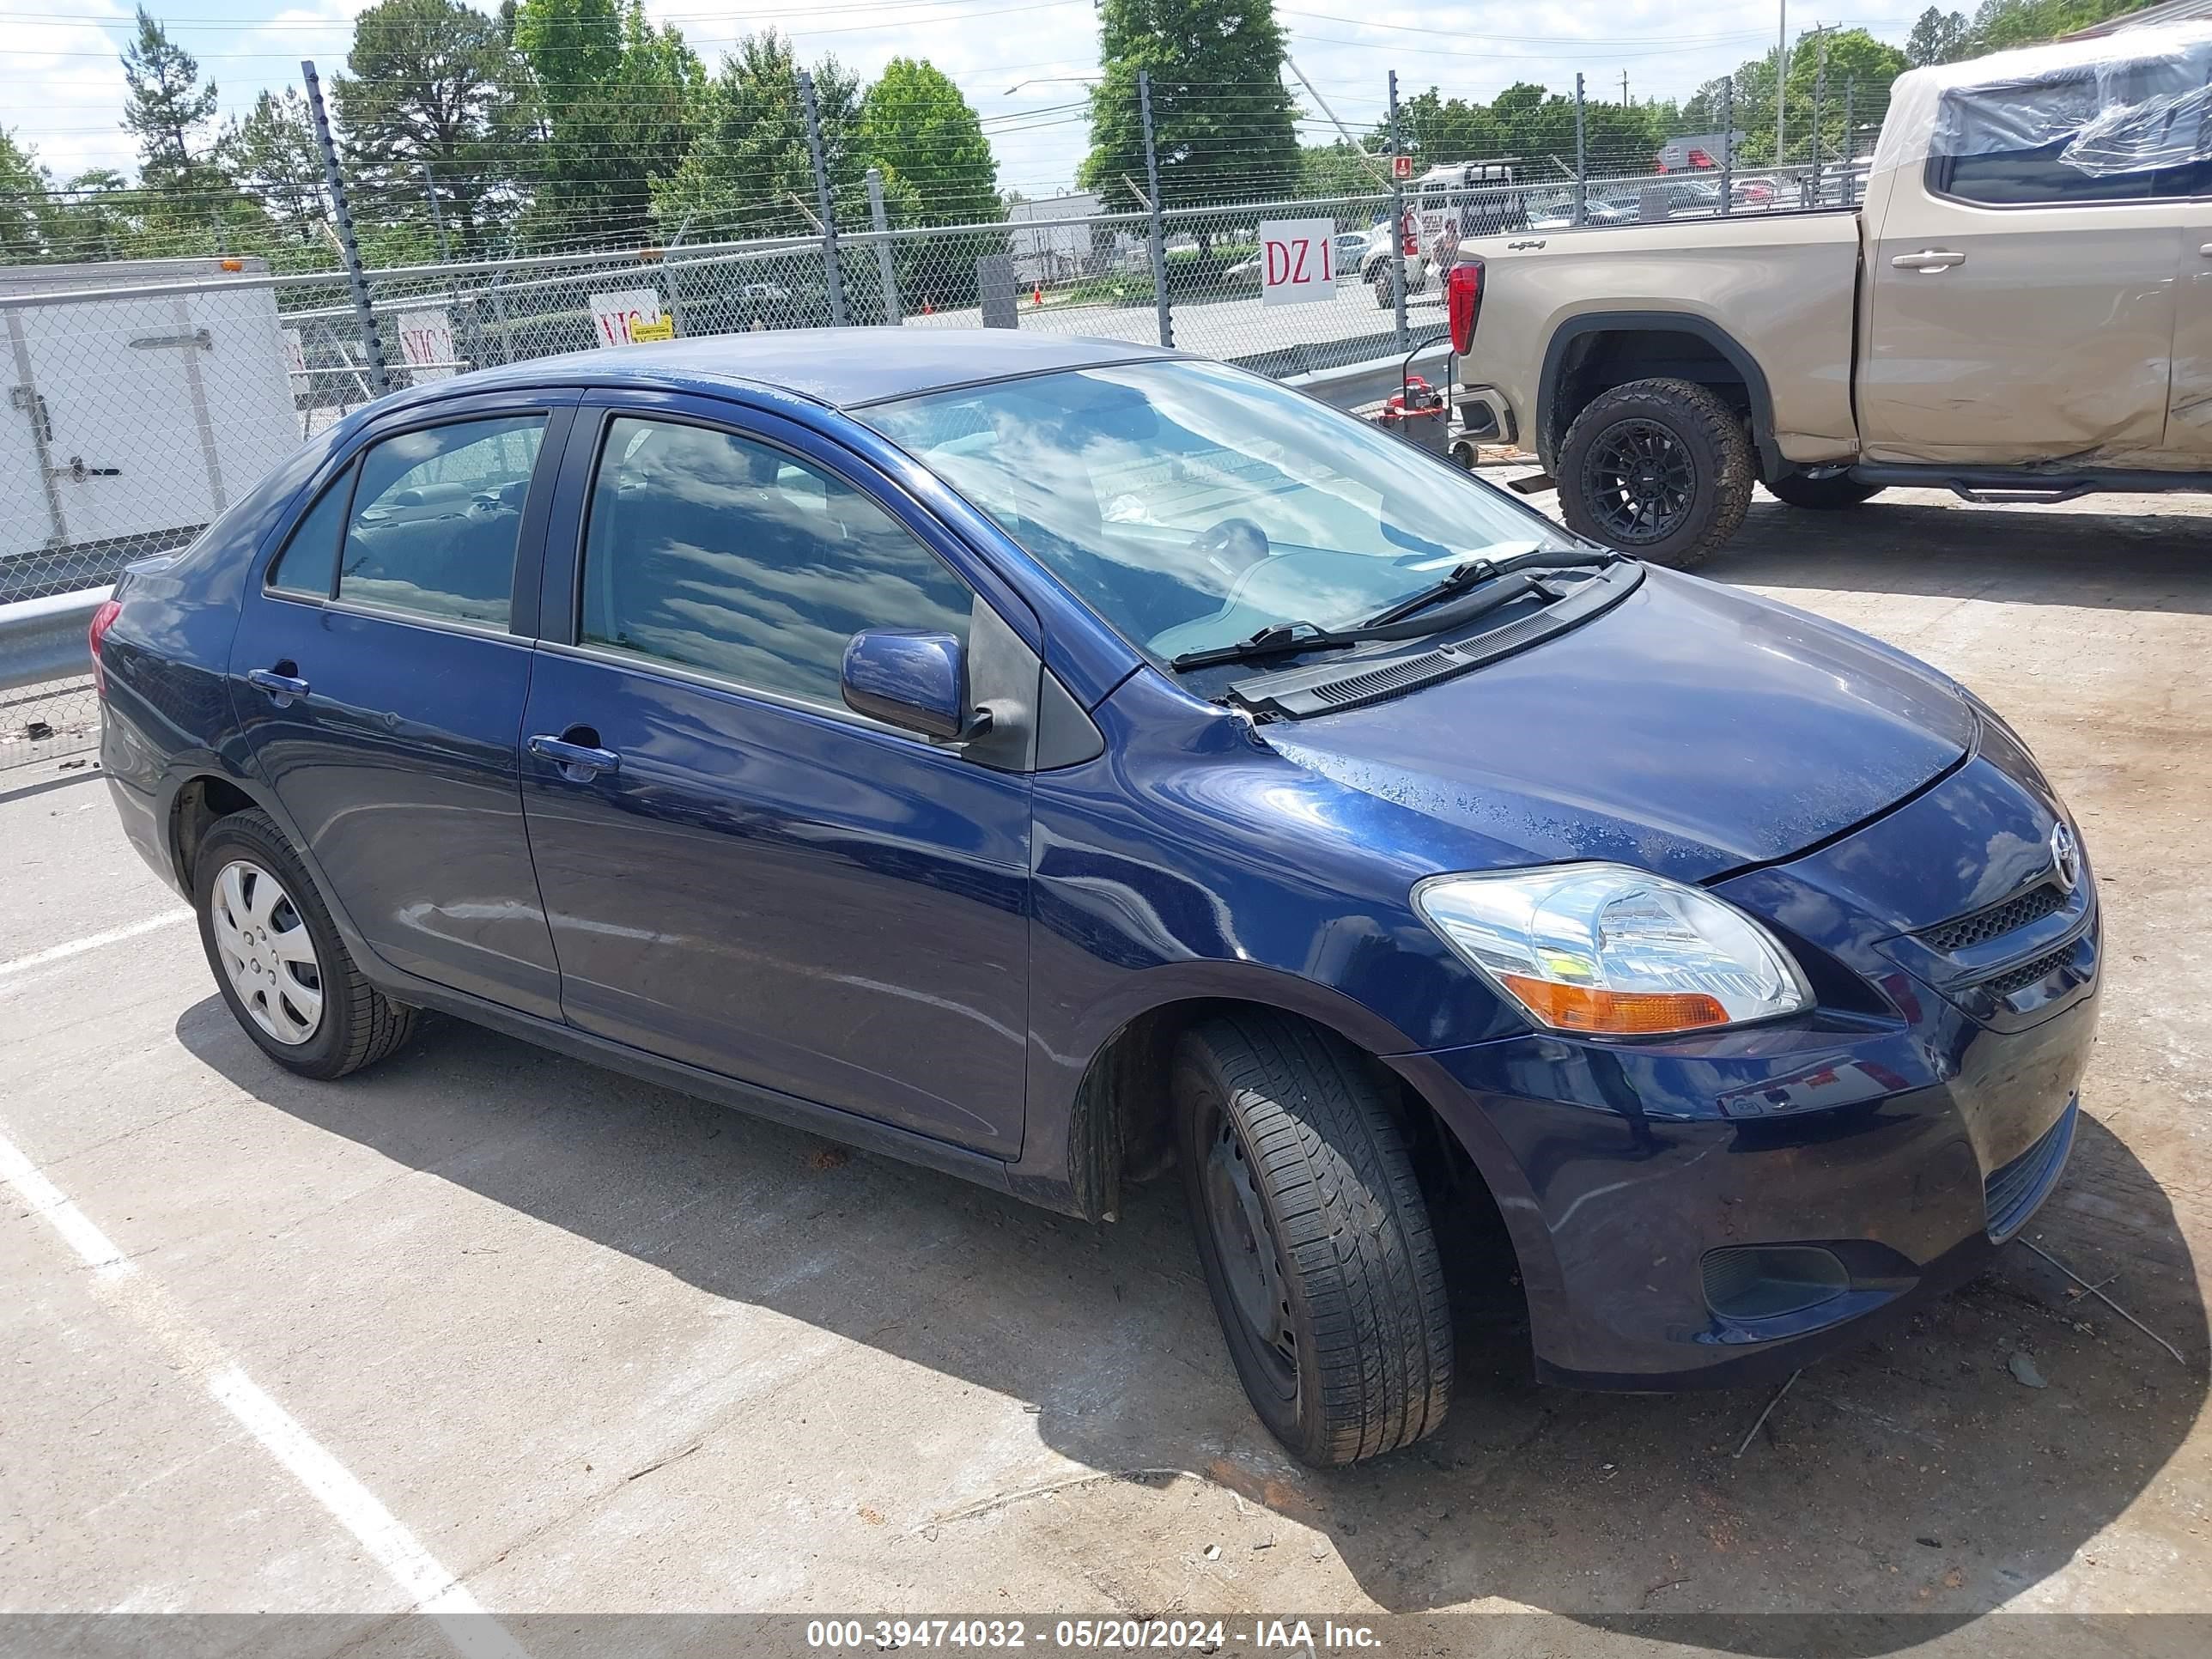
[(908, 678)]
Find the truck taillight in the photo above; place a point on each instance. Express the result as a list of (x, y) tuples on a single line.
[(1463, 302), (102, 620)]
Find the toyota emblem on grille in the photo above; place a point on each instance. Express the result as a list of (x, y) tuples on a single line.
[(2065, 857)]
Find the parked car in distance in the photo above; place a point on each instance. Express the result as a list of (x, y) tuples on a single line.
[(2018, 305), (1053, 761)]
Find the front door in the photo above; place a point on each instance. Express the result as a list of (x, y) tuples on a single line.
[(381, 692), (2022, 287), (742, 874)]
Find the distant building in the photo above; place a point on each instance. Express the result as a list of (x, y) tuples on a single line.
[(1055, 251), (1697, 152)]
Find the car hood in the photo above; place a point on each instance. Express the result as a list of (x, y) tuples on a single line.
[(1690, 730)]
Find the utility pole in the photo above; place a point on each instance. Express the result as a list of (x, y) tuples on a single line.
[(1158, 225), (1781, 76), (1397, 224), (1624, 89), (830, 267), (364, 317)]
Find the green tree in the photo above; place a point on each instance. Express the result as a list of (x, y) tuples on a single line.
[(26, 203), (165, 108), (1433, 129), (278, 165), (435, 83), (1222, 123), (748, 172), (1855, 58), (615, 98), (2002, 23), (927, 140), (1940, 37)]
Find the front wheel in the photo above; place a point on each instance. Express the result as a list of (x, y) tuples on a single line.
[(1823, 495), (1660, 469), (1314, 1238)]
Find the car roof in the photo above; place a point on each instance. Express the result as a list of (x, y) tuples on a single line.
[(843, 368)]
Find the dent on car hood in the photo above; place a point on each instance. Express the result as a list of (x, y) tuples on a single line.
[(1692, 729)]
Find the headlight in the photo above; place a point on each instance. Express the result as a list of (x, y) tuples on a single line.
[(1603, 948)]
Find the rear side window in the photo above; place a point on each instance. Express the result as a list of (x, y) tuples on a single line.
[(310, 557), (741, 561), (435, 518), (2128, 131)]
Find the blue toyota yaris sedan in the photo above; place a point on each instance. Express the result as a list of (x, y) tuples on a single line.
[(1050, 760)]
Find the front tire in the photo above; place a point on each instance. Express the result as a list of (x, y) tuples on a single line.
[(1313, 1236), (1660, 469), (1827, 494), (278, 960)]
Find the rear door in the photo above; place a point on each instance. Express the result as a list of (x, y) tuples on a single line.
[(379, 673), (2023, 284), (758, 881)]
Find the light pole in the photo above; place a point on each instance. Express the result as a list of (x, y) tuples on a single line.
[(1781, 75)]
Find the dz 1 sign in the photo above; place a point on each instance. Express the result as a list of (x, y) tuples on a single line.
[(1297, 260)]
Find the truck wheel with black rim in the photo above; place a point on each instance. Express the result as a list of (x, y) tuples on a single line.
[(1383, 297), (278, 959), (1313, 1236), (1660, 469), (1823, 495)]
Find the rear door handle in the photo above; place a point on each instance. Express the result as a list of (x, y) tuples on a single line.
[(2206, 250), (579, 762), (280, 688), (1929, 259)]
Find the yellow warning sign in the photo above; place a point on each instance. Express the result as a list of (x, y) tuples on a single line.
[(661, 328)]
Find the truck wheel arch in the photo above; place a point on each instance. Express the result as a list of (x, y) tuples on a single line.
[(1619, 344)]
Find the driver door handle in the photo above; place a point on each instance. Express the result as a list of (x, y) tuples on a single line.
[(579, 762), (1929, 259)]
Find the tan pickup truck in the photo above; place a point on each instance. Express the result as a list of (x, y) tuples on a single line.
[(2020, 309)]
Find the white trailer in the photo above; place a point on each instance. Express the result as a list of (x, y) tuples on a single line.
[(131, 420)]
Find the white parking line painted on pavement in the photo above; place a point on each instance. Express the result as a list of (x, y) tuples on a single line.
[(92, 942), (431, 1587), (47, 1200)]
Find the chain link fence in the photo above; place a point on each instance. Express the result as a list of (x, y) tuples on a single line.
[(145, 397)]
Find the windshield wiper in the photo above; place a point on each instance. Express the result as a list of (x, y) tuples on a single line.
[(1398, 623), (1475, 571)]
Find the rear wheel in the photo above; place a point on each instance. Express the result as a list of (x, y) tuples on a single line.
[(1825, 494), (1314, 1238), (1662, 468), (278, 959)]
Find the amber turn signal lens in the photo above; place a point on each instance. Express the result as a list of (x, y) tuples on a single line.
[(1615, 1013)]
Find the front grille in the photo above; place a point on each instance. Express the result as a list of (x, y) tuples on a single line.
[(2032, 972), (2011, 1194), (2044, 899)]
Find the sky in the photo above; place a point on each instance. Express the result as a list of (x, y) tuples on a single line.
[(1020, 62)]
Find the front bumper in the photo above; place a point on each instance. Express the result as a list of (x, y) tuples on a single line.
[(1635, 1165)]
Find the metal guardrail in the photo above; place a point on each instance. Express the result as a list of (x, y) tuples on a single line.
[(43, 639)]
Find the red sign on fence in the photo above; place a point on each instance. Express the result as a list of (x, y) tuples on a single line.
[(1297, 260)]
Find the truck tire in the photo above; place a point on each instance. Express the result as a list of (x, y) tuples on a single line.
[(1662, 468), (1824, 494), (1384, 298), (278, 960), (1313, 1236)]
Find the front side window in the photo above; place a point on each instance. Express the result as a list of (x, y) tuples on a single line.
[(1191, 505), (435, 518), (719, 554)]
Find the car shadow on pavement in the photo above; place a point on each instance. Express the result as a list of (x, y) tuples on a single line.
[(1946, 1469), (1913, 544)]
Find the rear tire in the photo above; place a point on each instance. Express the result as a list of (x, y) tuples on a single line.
[(1660, 469), (1313, 1236), (1822, 494), (278, 959)]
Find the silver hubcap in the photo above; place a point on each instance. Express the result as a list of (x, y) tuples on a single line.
[(266, 952)]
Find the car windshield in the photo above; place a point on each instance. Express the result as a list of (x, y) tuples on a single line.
[(1191, 505)]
